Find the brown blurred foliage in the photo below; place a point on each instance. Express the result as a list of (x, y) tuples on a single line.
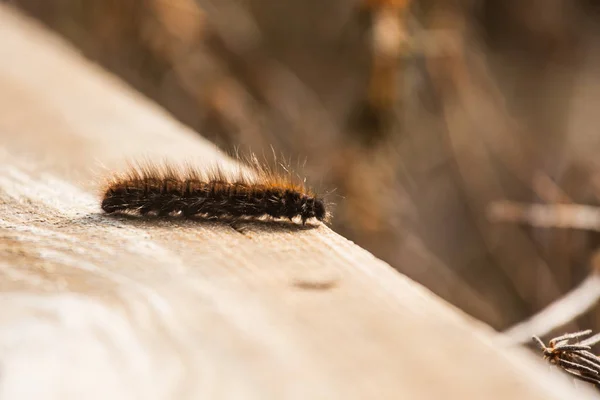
[(419, 112)]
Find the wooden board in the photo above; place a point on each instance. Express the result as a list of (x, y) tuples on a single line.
[(100, 307)]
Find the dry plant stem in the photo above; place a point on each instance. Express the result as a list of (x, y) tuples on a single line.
[(575, 366), (579, 300), (559, 313), (591, 341), (572, 216), (569, 336), (588, 358), (389, 38), (582, 377), (575, 359)]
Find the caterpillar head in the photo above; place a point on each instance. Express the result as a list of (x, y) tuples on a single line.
[(319, 210), (313, 208)]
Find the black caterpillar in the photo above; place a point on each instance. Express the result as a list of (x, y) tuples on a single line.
[(161, 191)]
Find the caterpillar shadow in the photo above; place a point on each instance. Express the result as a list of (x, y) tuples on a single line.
[(241, 225)]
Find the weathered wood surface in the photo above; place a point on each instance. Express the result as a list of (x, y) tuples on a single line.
[(97, 307)]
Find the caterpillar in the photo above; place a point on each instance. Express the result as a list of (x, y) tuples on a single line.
[(213, 193)]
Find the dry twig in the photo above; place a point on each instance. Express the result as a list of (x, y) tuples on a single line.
[(574, 358), (559, 313), (577, 301), (573, 216)]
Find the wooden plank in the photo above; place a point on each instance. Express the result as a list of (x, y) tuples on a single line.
[(98, 307)]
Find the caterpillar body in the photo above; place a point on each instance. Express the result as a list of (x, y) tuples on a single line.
[(164, 190)]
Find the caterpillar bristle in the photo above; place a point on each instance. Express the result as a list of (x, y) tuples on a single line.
[(148, 188)]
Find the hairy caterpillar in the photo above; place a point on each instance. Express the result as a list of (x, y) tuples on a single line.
[(211, 193)]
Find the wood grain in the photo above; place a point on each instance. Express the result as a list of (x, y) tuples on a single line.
[(98, 307)]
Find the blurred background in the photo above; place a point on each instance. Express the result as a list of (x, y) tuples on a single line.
[(419, 113)]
